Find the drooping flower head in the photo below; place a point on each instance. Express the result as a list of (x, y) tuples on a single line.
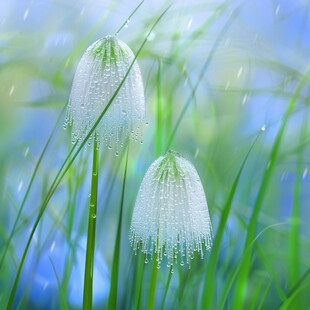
[(171, 215), (98, 75)]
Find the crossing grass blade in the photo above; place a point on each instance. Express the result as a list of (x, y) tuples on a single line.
[(61, 292)]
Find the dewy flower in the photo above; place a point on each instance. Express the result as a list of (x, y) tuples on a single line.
[(98, 75), (171, 216)]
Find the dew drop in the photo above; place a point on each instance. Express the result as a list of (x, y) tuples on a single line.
[(263, 128), (127, 23)]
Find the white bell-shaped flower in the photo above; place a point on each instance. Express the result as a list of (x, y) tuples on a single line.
[(98, 75), (171, 216)]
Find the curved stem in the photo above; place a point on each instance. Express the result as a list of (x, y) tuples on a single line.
[(91, 234)]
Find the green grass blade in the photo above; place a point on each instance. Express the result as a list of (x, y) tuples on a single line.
[(138, 281), (151, 300), (294, 251), (298, 287), (159, 122), (129, 17), (240, 289), (166, 289), (208, 291), (264, 295), (67, 163), (293, 295), (29, 187), (91, 235), (112, 303), (61, 293)]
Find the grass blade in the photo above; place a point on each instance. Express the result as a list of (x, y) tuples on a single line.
[(112, 304), (208, 291), (295, 217), (61, 293), (151, 300), (166, 289), (158, 134), (240, 289), (91, 235), (129, 17), (29, 187)]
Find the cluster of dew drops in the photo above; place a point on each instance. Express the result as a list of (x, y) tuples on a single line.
[(170, 217), (99, 74)]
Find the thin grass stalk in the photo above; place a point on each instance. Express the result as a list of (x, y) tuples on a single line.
[(159, 124), (138, 282), (60, 289), (112, 303), (166, 289), (64, 168), (208, 290), (240, 289), (91, 235), (294, 247), (151, 300), (129, 17)]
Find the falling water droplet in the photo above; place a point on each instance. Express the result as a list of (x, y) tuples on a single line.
[(82, 11), (189, 24), (227, 85), (12, 90), (277, 9), (52, 246), (26, 13), (20, 185), (26, 151), (196, 153), (240, 72), (304, 175), (245, 97)]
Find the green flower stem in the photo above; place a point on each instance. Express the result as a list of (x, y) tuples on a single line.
[(151, 301), (166, 289), (112, 303), (91, 234)]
